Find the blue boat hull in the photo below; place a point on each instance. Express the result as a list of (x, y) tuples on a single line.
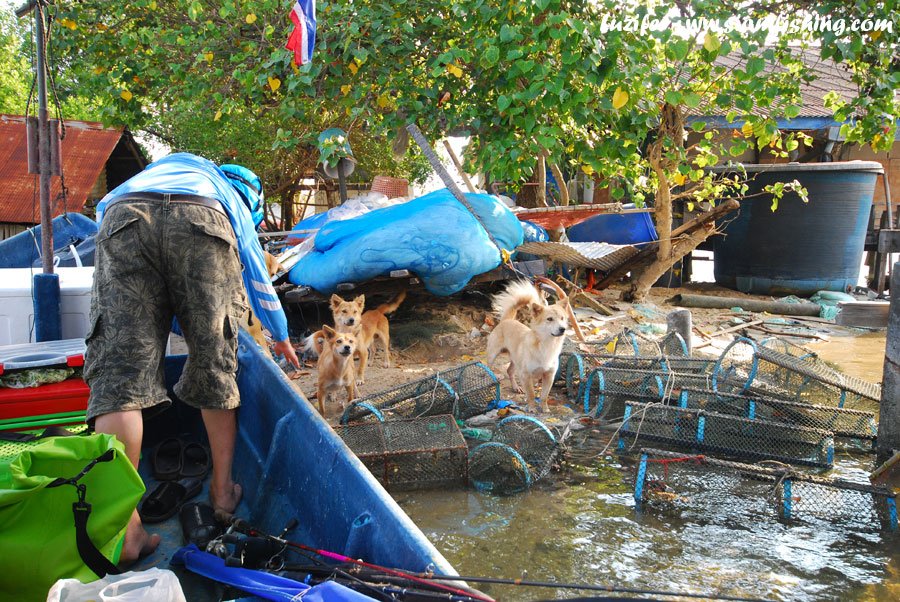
[(292, 465)]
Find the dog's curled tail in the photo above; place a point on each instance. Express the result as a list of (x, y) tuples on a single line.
[(516, 296), (311, 346), (391, 306)]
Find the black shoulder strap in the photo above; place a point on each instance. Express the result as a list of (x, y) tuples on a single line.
[(90, 555)]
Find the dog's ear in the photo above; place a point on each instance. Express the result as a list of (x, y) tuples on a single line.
[(329, 332), (335, 302), (360, 301), (536, 309)]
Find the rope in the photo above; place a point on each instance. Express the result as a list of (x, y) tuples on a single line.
[(699, 459)]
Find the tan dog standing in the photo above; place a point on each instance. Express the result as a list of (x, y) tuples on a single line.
[(370, 325), (335, 366), (534, 348)]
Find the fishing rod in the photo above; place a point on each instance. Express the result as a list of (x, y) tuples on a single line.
[(245, 527), (584, 586)]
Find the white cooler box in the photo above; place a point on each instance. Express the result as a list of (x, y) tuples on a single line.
[(17, 308)]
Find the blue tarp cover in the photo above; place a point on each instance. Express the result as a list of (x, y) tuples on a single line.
[(433, 236)]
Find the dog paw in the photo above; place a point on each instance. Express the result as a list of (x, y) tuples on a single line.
[(360, 381)]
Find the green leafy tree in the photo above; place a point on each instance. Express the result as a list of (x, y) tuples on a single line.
[(14, 68), (523, 78)]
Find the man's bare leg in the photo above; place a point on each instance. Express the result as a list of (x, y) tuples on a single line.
[(128, 427), (221, 428)]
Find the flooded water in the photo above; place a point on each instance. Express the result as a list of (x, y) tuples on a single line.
[(582, 527)]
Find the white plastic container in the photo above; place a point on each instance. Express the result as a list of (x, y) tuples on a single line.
[(17, 306)]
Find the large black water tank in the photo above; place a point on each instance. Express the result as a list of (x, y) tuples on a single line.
[(800, 248)]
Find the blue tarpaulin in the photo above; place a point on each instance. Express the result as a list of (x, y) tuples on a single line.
[(433, 236)]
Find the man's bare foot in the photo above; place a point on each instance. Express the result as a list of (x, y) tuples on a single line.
[(225, 499), (138, 543)]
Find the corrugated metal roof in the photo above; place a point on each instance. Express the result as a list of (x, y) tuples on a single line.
[(827, 76), (85, 150)]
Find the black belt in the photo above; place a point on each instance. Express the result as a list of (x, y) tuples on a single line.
[(155, 197)]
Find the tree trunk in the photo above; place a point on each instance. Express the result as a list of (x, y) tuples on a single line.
[(671, 131), (645, 279)]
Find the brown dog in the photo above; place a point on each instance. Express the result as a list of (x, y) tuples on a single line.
[(533, 349), (335, 367), (370, 325)]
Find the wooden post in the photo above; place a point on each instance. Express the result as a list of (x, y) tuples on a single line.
[(889, 421), (459, 166), (541, 195), (681, 321)]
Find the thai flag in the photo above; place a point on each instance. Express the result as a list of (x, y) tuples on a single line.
[(303, 38)]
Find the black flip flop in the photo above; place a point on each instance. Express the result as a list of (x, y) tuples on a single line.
[(198, 524), (166, 460), (164, 501), (194, 461)]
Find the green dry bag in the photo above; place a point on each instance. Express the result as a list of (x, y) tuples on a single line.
[(48, 488)]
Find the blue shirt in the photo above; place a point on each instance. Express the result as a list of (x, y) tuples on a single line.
[(184, 173)]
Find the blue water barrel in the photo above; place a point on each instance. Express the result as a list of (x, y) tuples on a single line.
[(801, 247), (615, 229)]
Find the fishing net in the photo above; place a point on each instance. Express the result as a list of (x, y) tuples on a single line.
[(782, 370), (417, 453), (463, 391), (497, 468), (669, 479), (730, 435)]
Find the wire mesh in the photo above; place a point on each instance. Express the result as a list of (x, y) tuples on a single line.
[(673, 345), (726, 434), (532, 440), (675, 479), (606, 390), (497, 468), (417, 453), (463, 391), (842, 422), (780, 369)]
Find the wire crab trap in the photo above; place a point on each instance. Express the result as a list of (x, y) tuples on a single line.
[(464, 391), (607, 388), (521, 452), (675, 479), (726, 434), (848, 426), (532, 440), (803, 378), (498, 469), (416, 453)]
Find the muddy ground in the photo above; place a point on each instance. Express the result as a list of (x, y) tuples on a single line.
[(430, 333)]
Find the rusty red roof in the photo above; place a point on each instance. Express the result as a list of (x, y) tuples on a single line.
[(85, 151)]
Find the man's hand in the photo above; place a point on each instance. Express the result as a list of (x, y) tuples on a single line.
[(287, 350)]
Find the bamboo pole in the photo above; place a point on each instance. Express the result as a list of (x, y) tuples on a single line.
[(459, 166)]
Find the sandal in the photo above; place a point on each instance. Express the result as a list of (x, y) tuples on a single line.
[(166, 460), (167, 498), (194, 461), (198, 524)]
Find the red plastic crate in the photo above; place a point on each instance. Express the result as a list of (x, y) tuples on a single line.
[(68, 396)]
